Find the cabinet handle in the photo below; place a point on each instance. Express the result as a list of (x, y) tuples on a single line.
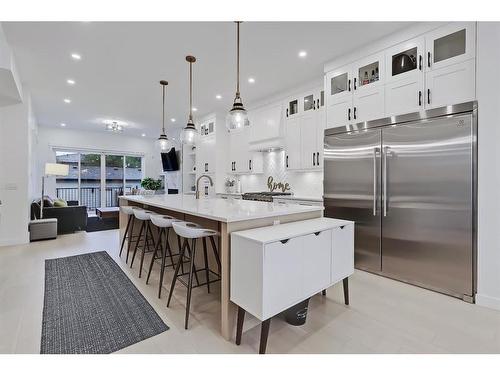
[(420, 62), (317, 158), (349, 85), (354, 83), (419, 98), (284, 241), (314, 162), (429, 59), (287, 112), (250, 164), (349, 114), (342, 227), (287, 161), (428, 96), (354, 113), (317, 233)]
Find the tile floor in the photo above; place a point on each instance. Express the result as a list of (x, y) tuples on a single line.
[(385, 316)]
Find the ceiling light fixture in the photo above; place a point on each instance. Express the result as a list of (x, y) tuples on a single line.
[(218, 97), (302, 54), (189, 133), (114, 127), (143, 134), (70, 81), (63, 124), (251, 80), (163, 139), (195, 109), (173, 119), (237, 117), (76, 56), (67, 101)]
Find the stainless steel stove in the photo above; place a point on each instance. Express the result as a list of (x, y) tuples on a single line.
[(264, 196)]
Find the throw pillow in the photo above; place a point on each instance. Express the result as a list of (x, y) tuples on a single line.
[(60, 203)]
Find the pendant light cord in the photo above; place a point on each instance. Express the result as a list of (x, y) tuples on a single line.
[(238, 59), (163, 111), (190, 90)]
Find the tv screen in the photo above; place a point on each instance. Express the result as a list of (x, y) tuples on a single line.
[(169, 160)]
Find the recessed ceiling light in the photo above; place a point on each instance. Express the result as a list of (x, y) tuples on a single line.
[(63, 124), (195, 109), (67, 100), (218, 96), (143, 134), (302, 54), (76, 56), (251, 80), (70, 81), (172, 119)]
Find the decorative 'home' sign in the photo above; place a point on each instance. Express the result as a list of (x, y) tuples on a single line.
[(272, 186)]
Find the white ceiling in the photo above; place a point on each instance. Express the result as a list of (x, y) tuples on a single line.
[(122, 62)]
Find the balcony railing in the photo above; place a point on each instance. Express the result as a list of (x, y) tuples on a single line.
[(91, 196)]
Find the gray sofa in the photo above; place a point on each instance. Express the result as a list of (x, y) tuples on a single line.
[(70, 219)]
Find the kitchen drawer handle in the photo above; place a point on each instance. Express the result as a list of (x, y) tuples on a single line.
[(429, 59), (342, 227), (428, 96), (354, 113), (349, 114), (349, 85), (314, 162), (317, 158), (250, 164), (287, 161), (284, 241), (354, 83), (419, 98), (287, 112), (420, 62), (317, 233)]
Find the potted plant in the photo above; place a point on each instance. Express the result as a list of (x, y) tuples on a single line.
[(150, 185)]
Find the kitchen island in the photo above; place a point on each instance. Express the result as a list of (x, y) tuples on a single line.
[(225, 216)]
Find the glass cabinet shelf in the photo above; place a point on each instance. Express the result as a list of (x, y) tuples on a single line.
[(368, 74)]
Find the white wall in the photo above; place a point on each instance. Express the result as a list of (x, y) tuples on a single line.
[(488, 95), (50, 138), (15, 124)]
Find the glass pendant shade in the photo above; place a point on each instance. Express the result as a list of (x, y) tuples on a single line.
[(237, 118), (164, 143), (189, 135), (162, 140)]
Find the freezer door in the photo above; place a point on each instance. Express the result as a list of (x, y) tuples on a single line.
[(352, 190), (427, 204)]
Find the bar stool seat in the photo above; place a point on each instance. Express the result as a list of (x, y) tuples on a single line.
[(164, 223), (129, 229), (144, 216), (193, 231)]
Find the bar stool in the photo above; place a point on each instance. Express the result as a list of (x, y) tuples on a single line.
[(164, 223), (194, 231), (129, 229), (144, 217)]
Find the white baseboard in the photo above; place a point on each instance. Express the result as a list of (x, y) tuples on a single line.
[(487, 301)]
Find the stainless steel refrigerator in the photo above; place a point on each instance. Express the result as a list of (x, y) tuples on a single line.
[(409, 183)]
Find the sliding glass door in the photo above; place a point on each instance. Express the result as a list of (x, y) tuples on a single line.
[(97, 179)]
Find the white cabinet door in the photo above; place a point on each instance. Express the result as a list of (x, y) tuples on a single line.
[(368, 104), (405, 61), (320, 136), (452, 84), (338, 97), (317, 252), (292, 109), (404, 96), (342, 252), (265, 123), (308, 139), (292, 144), (238, 151), (282, 281), (450, 44), (339, 114), (368, 73)]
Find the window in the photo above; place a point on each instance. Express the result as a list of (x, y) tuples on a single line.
[(97, 179)]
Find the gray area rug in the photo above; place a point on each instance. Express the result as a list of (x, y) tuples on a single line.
[(90, 306)]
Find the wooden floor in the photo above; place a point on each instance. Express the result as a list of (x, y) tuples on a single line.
[(385, 316)]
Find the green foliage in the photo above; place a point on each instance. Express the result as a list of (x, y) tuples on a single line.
[(151, 184)]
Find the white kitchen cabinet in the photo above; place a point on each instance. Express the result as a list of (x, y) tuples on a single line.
[(342, 261), (292, 143), (292, 109), (275, 267), (205, 155), (368, 73), (450, 44), (450, 85), (266, 123), (404, 96), (241, 160), (368, 104), (339, 96), (308, 140)]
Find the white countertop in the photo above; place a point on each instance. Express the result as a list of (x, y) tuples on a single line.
[(289, 230), (225, 210), (299, 198)]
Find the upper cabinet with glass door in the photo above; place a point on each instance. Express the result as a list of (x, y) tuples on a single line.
[(450, 44), (369, 72), (292, 107), (339, 88)]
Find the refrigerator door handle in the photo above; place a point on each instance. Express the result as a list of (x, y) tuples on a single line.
[(375, 152), (384, 187)]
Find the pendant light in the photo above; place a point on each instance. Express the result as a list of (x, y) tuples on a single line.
[(189, 133), (237, 117), (163, 141)]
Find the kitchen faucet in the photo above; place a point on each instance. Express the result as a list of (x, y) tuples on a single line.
[(198, 182)]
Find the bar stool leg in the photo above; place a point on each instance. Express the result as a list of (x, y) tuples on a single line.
[(216, 254), (129, 244), (154, 255), (179, 262), (190, 255), (264, 333), (169, 249), (125, 234), (146, 243), (239, 325), (137, 243), (180, 246), (345, 283), (207, 270), (163, 258), (190, 283)]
